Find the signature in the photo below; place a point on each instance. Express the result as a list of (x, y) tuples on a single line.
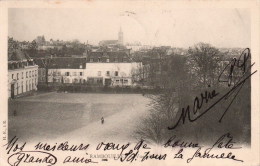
[(240, 64)]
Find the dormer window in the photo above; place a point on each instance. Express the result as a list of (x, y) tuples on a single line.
[(107, 60)]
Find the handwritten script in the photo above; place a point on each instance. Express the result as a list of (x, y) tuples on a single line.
[(44, 154), (237, 66)]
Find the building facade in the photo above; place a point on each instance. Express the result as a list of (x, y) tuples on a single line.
[(22, 75), (66, 76), (111, 74), (61, 70), (110, 68), (99, 68)]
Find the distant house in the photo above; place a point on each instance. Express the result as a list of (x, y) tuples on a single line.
[(22, 74), (47, 47), (108, 43)]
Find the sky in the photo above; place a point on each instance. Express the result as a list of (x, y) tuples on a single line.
[(176, 27)]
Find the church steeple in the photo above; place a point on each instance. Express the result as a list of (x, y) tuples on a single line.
[(120, 36)]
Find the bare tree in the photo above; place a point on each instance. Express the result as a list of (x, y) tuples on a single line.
[(204, 62), (166, 104)]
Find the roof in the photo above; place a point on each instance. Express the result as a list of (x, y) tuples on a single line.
[(108, 42), (62, 63), (18, 55), (113, 56)]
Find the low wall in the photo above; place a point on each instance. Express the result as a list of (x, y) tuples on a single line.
[(96, 89)]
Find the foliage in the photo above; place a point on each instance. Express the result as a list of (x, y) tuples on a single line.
[(204, 62), (186, 77)]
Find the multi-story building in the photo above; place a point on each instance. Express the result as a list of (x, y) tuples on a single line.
[(22, 74), (95, 69), (110, 69), (62, 70)]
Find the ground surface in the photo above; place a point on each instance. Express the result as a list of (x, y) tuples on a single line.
[(67, 116)]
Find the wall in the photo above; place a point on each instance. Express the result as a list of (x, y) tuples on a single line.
[(56, 75), (124, 70), (21, 82)]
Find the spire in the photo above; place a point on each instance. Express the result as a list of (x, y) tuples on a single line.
[(120, 36)]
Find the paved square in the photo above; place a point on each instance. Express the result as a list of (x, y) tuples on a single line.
[(76, 116)]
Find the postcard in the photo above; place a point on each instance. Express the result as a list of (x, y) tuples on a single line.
[(129, 83)]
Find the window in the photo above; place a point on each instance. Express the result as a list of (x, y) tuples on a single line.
[(91, 60), (99, 60), (35, 73), (22, 87), (108, 73), (26, 86), (27, 74), (81, 73), (17, 88), (116, 73), (67, 73), (17, 76), (12, 76), (22, 75), (99, 81), (99, 73), (75, 80), (30, 74), (107, 60)]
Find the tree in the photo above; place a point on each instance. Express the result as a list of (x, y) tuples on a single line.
[(33, 45), (168, 103), (204, 62), (12, 45)]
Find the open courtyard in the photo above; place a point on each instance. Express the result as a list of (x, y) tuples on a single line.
[(76, 116)]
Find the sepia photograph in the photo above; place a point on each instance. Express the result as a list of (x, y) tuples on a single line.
[(137, 84)]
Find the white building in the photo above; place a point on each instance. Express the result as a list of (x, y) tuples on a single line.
[(65, 70), (66, 76), (97, 69), (110, 68), (111, 74), (22, 75)]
